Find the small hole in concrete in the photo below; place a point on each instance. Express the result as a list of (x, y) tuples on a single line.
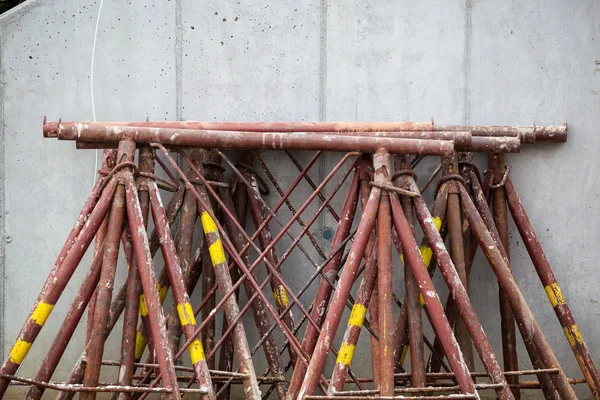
[(327, 233)]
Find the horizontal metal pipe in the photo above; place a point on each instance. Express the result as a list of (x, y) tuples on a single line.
[(282, 126), (527, 134), (373, 397), (480, 144), (63, 387), (249, 140)]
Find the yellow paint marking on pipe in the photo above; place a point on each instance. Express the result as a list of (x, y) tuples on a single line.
[(281, 296), (196, 351), (357, 316), (426, 254), (403, 356), (555, 294), (162, 292), (425, 250), (345, 354), (186, 314), (573, 335), (19, 351), (41, 313), (143, 305), (422, 300), (140, 345), (217, 253), (208, 224)]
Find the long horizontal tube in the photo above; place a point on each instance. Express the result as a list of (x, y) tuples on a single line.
[(249, 140), (409, 142), (526, 134), (281, 126)]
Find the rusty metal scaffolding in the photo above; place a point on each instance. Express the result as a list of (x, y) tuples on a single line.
[(207, 248)]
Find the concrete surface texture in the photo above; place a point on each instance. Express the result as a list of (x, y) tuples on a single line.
[(481, 62)]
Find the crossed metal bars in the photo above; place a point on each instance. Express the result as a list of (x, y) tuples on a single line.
[(117, 211)]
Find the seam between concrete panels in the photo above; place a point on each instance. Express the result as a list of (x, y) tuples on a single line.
[(178, 61), (323, 61), (467, 62), (2, 194), (322, 85)]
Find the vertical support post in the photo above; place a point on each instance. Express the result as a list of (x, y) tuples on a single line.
[(132, 302), (412, 298), (158, 331), (438, 213), (382, 165), (457, 253), (114, 229), (507, 319)]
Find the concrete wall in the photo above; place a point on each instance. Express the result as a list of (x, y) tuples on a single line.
[(488, 62)]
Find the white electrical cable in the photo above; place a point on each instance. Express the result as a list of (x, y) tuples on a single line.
[(92, 80)]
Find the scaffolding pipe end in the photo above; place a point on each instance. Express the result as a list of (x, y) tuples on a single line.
[(50, 129)]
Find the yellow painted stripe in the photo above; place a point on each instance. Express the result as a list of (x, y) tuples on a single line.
[(196, 351), (357, 316), (422, 300), (162, 292), (41, 313), (140, 344), (143, 305), (281, 296), (426, 252), (573, 335), (570, 337), (217, 253), (403, 356), (577, 334), (345, 354), (208, 224), (438, 223), (555, 294), (19, 351), (186, 314)]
